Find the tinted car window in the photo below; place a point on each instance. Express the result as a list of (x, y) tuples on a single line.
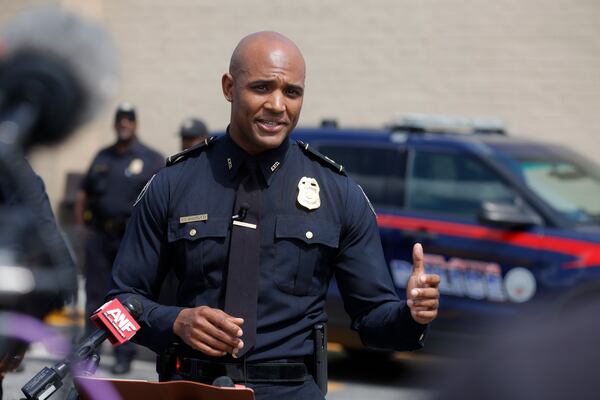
[(452, 183), (379, 171)]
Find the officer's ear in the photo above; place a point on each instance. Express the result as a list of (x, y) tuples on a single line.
[(227, 86)]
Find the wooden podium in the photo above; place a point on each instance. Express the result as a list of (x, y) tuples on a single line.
[(97, 388)]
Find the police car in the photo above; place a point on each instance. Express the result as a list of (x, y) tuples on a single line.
[(509, 224)]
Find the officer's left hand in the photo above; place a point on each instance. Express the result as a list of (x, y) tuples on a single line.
[(422, 293)]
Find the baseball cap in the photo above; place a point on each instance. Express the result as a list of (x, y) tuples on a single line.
[(192, 128), (125, 110)]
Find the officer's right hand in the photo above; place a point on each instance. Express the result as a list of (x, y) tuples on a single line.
[(209, 330)]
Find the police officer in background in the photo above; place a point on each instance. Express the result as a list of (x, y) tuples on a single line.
[(255, 225), (192, 132), (116, 177)]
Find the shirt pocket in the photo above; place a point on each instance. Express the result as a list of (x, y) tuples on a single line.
[(99, 179), (305, 246), (199, 250)]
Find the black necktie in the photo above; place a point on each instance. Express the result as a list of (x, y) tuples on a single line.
[(244, 251)]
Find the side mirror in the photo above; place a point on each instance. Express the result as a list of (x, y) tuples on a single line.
[(507, 216)]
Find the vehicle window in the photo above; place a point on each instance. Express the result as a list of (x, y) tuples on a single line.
[(572, 188), (452, 183), (379, 171)]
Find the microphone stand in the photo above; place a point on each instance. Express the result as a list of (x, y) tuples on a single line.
[(88, 368), (46, 382)]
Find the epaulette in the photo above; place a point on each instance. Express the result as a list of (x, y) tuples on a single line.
[(321, 157), (175, 158)]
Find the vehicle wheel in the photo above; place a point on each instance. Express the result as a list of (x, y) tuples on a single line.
[(578, 297)]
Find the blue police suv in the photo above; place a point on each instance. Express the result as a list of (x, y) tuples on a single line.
[(510, 225)]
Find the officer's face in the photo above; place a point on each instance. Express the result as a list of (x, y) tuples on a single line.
[(266, 95), (125, 129)]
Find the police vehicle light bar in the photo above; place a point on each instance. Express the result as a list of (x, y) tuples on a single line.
[(422, 123)]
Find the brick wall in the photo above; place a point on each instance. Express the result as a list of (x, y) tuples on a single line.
[(533, 63)]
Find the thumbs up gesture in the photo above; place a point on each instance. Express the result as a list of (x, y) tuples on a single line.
[(422, 293)]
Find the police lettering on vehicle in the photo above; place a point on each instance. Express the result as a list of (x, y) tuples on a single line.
[(473, 279)]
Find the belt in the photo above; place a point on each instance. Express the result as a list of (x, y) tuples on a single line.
[(288, 370)]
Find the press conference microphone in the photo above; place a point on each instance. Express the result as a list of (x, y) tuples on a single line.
[(115, 321), (56, 70)]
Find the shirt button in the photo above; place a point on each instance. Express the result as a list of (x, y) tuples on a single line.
[(309, 235), (193, 232)]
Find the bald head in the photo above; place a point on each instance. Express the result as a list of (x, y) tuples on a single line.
[(265, 86), (261, 44)]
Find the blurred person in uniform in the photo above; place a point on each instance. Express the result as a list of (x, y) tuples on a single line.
[(254, 225), (108, 191), (192, 132), (36, 304)]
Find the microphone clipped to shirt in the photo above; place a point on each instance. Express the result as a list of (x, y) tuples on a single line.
[(241, 215), (115, 321)]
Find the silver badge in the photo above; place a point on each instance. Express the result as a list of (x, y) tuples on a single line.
[(308, 193), (135, 167)]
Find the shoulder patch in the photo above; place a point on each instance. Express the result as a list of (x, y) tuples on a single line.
[(175, 158), (322, 158)]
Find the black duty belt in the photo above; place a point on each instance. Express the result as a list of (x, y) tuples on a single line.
[(288, 370)]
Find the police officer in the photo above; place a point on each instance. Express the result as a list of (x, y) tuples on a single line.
[(255, 238), (108, 191), (192, 132)]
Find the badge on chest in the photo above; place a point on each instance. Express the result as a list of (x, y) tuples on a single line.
[(308, 193), (135, 167)]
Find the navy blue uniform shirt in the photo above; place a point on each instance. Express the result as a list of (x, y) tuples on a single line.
[(300, 251), (115, 179), (48, 239)]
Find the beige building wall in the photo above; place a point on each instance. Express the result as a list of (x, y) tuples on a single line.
[(533, 63)]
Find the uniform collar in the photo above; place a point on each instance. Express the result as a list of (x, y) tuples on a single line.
[(269, 162)]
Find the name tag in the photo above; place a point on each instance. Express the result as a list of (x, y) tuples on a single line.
[(193, 218)]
